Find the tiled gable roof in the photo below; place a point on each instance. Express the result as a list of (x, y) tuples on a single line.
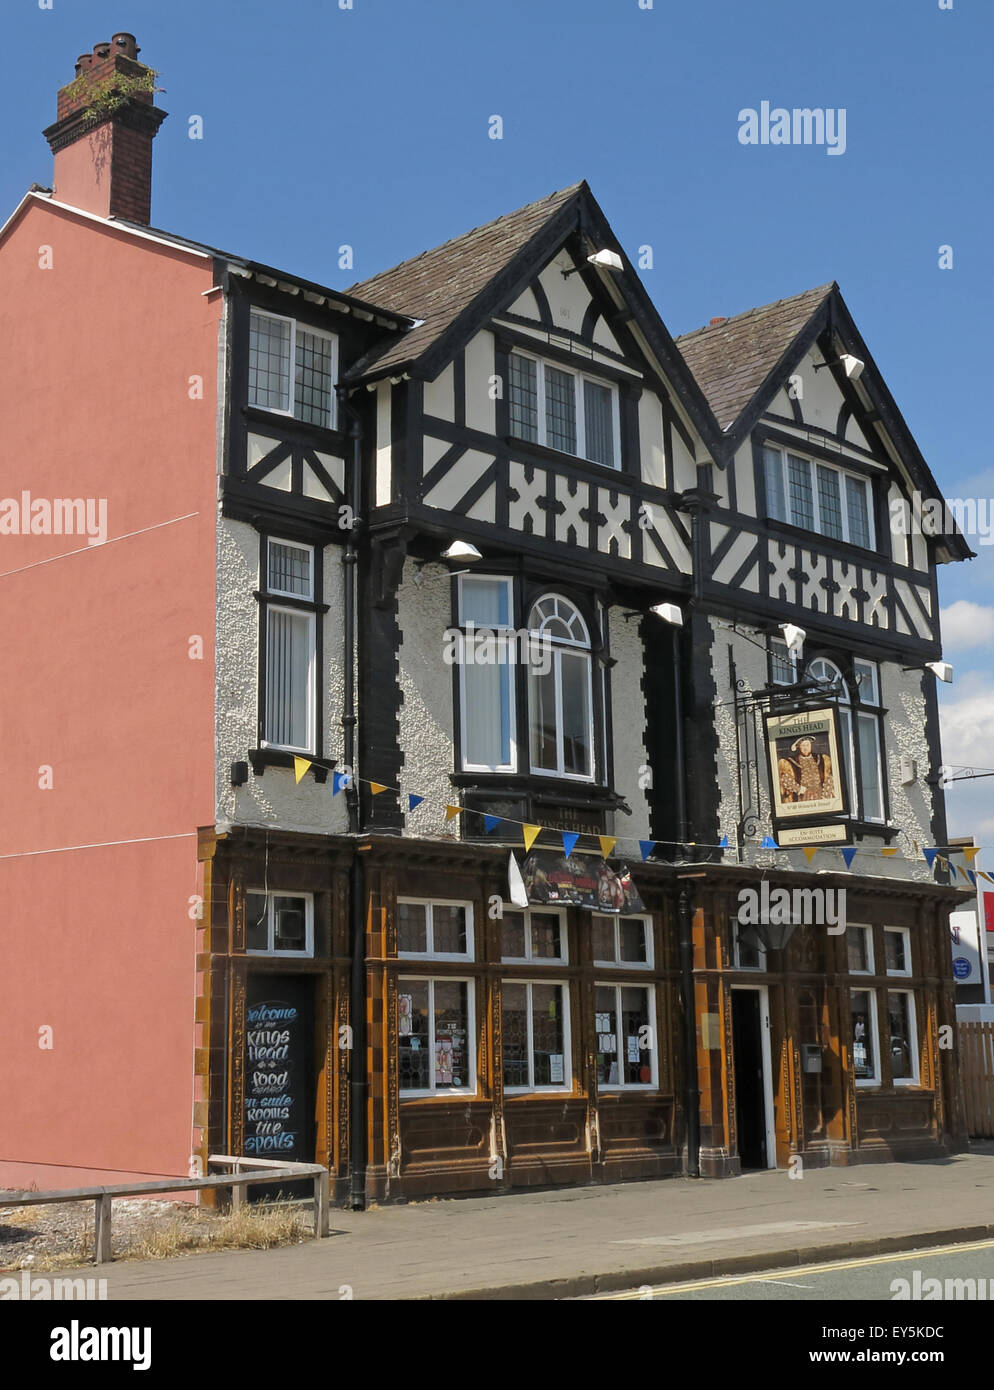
[(442, 283), (731, 360)]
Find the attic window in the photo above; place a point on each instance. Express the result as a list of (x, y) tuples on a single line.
[(564, 410), (292, 369), (818, 497)]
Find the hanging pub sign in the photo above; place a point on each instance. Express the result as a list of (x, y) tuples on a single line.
[(580, 881), (805, 774)]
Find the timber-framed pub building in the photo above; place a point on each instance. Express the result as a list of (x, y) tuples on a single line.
[(463, 653)]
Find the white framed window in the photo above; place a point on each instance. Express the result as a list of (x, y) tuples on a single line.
[(862, 742), (625, 1024), (897, 950), (289, 569), (436, 1024), (293, 368), (486, 674), (279, 924), (903, 1028), (533, 936), (865, 1045), (748, 952), (290, 677), (564, 409), (624, 941), (859, 950), (818, 497), (560, 692), (535, 1032), (441, 930), (783, 663)]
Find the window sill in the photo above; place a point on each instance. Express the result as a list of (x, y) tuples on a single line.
[(325, 435), (802, 536), (543, 451), (261, 758)]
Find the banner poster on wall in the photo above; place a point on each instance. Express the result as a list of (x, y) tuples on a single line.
[(580, 881)]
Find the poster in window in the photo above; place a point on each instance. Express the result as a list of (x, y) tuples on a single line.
[(405, 1012), (443, 1061), (555, 1068), (805, 774)]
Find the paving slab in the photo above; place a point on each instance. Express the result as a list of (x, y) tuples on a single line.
[(573, 1241)]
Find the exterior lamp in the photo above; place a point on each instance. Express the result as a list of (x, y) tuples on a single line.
[(794, 637), (852, 366), (669, 612), (940, 669), (458, 550), (606, 260)]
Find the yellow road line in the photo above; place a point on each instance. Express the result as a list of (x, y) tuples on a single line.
[(728, 1280)]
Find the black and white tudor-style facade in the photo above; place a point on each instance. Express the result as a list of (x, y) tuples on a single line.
[(504, 393)]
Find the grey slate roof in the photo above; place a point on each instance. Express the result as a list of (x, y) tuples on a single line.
[(442, 283), (732, 360)]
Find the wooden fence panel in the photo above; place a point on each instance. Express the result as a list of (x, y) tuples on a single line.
[(977, 1077)]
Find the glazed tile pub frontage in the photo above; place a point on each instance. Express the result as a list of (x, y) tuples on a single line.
[(506, 1046)]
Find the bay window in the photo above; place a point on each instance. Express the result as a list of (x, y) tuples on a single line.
[(818, 497), (436, 1042), (292, 368), (861, 729), (564, 409), (290, 647)]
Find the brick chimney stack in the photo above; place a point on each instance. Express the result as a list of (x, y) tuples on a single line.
[(102, 139)]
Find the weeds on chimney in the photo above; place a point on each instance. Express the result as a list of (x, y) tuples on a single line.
[(102, 98)]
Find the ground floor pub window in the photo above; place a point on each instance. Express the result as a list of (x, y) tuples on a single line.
[(535, 1032), (903, 1037), (864, 1037), (625, 1025), (435, 1037)]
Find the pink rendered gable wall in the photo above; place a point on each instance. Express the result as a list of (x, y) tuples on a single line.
[(96, 683)]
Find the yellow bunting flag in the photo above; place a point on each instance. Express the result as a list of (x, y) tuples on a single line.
[(963, 872), (985, 875), (452, 811), (971, 852), (301, 767), (608, 843), (377, 787), (530, 834), (810, 851), (942, 862), (889, 852)]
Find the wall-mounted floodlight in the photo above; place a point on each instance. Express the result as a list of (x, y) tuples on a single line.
[(458, 550), (940, 669), (852, 366), (794, 637), (669, 612), (606, 260)]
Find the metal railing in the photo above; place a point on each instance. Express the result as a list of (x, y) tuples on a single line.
[(245, 1172)]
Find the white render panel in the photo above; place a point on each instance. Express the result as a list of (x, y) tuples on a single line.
[(274, 799), (481, 410), (384, 461), (432, 451), (745, 480), (529, 494), (672, 538), (259, 445), (440, 395), (451, 489), (683, 470), (604, 336), (526, 305), (854, 435), (651, 439), (897, 504), (424, 612), (612, 527), (737, 555), (568, 298), (628, 718), (572, 504), (281, 477)]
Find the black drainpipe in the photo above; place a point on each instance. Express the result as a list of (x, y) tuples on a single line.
[(358, 1081)]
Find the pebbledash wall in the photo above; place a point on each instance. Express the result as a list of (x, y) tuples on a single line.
[(98, 872)]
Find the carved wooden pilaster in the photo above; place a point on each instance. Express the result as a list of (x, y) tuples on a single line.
[(236, 1052)]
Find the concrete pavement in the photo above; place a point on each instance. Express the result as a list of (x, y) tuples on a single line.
[(565, 1243)]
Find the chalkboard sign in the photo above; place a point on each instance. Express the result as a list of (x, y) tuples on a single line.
[(279, 1069)]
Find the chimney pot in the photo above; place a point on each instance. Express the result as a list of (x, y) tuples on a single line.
[(127, 44), (101, 50), (722, 318)]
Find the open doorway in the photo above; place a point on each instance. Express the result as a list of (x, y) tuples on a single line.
[(753, 1077)]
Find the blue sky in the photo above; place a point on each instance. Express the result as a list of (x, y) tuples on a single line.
[(369, 126)]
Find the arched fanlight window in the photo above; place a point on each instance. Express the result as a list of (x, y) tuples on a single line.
[(560, 704)]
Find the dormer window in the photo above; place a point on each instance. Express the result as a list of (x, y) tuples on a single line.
[(818, 497), (292, 369), (564, 410)]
